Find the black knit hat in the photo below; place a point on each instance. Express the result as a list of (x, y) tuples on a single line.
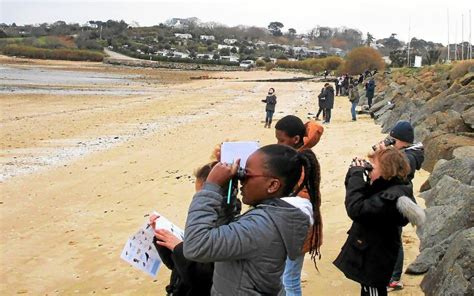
[(403, 131)]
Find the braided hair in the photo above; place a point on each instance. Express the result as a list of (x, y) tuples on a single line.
[(287, 164)]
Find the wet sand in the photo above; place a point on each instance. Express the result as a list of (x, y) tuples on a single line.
[(84, 171)]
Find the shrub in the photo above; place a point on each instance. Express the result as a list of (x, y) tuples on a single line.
[(460, 69), (362, 58), (269, 66), (260, 63), (53, 54)]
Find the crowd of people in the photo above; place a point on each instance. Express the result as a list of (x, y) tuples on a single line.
[(261, 251)]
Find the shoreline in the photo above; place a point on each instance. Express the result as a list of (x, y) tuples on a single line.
[(63, 228)]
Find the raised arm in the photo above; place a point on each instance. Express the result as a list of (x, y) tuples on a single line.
[(205, 241)]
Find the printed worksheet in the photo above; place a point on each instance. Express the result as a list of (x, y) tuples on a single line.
[(139, 250)]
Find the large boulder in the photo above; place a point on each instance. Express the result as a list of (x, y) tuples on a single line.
[(454, 274), (429, 257), (460, 168), (442, 146), (450, 206), (441, 122), (468, 117)]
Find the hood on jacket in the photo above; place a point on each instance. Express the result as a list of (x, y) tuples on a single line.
[(292, 224), (314, 131), (416, 154)]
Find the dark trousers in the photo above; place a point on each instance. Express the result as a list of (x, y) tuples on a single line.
[(319, 112), (268, 118), (373, 291), (327, 118), (369, 100), (398, 269)]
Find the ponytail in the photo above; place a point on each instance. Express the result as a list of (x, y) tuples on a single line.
[(311, 181)]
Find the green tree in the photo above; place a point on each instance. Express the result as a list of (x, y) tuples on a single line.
[(369, 39), (432, 56), (275, 28)]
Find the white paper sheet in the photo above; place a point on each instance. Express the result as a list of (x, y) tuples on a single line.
[(231, 151), (139, 250)]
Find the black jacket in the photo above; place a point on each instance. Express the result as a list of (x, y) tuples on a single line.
[(369, 254), (271, 101), (327, 98), (188, 278), (415, 155)]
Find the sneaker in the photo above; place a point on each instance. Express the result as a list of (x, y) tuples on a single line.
[(317, 119), (394, 286)]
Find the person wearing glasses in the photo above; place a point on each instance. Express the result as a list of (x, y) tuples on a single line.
[(250, 252)]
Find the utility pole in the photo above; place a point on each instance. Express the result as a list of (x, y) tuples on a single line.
[(462, 36), (409, 40), (470, 41), (456, 41), (448, 60)]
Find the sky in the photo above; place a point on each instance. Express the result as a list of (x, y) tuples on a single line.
[(423, 19)]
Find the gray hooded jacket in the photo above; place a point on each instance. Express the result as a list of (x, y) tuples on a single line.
[(249, 252)]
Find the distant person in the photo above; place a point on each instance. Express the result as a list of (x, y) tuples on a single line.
[(345, 85), (321, 106), (367, 73), (337, 85), (340, 83), (190, 277), (325, 73), (291, 131), (361, 78), (354, 99), (402, 136), (369, 91), (328, 95), (250, 252), (270, 101), (377, 208)]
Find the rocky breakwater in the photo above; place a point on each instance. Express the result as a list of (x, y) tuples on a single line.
[(439, 102)]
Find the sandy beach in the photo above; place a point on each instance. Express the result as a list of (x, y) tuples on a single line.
[(82, 171)]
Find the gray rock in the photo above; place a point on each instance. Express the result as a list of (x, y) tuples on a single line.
[(454, 274), (468, 117), (444, 220), (429, 257), (440, 122), (464, 152), (382, 110), (459, 168), (442, 146), (447, 191)]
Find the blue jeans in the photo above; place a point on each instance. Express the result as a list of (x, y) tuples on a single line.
[(353, 110), (269, 117), (292, 276)]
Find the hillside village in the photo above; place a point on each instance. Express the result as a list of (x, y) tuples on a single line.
[(190, 40)]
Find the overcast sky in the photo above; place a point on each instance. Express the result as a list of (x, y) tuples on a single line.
[(428, 18)]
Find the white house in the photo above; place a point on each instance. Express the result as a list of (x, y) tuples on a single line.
[(230, 41), (207, 37), (230, 58), (183, 36), (221, 46), (182, 55)]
